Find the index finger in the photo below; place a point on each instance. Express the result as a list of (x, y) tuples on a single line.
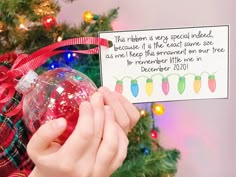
[(44, 136), (121, 106)]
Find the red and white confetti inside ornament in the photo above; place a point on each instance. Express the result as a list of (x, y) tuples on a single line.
[(54, 94)]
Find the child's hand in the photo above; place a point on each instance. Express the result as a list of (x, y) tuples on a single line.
[(126, 114), (96, 148)]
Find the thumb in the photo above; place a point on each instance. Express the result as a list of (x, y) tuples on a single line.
[(45, 135)]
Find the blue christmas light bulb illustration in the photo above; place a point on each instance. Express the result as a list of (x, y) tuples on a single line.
[(134, 87)]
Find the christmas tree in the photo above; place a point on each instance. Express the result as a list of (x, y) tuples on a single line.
[(26, 26)]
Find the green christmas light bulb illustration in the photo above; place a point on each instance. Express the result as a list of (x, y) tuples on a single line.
[(181, 85)]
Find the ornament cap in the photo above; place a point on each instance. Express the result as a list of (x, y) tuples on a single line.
[(27, 81)]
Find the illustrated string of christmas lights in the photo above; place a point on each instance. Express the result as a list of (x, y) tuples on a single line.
[(149, 87)]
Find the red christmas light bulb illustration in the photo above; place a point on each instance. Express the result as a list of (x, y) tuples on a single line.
[(212, 83), (119, 86), (165, 85)]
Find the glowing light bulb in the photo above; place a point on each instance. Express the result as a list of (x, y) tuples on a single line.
[(59, 38), (158, 109), (143, 113), (22, 26), (21, 19), (154, 134), (88, 16)]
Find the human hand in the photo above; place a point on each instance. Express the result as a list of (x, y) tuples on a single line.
[(96, 148), (126, 114)]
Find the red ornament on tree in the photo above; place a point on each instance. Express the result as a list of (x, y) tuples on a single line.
[(49, 22), (54, 94), (154, 134)]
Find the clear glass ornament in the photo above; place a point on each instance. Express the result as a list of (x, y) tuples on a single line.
[(54, 94)]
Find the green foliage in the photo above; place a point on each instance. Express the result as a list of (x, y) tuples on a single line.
[(12, 12), (41, 38)]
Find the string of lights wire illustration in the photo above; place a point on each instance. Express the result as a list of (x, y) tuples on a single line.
[(149, 86)]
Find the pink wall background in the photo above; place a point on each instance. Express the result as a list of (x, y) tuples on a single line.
[(203, 130)]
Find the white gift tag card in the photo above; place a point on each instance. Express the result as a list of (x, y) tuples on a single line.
[(167, 64)]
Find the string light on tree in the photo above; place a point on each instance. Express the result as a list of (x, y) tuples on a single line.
[(88, 16), (59, 38), (146, 151), (22, 22), (143, 113), (158, 109), (58, 35), (69, 57), (53, 65), (154, 134)]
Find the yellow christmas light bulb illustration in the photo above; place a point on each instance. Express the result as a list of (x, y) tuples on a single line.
[(197, 84), (149, 87)]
